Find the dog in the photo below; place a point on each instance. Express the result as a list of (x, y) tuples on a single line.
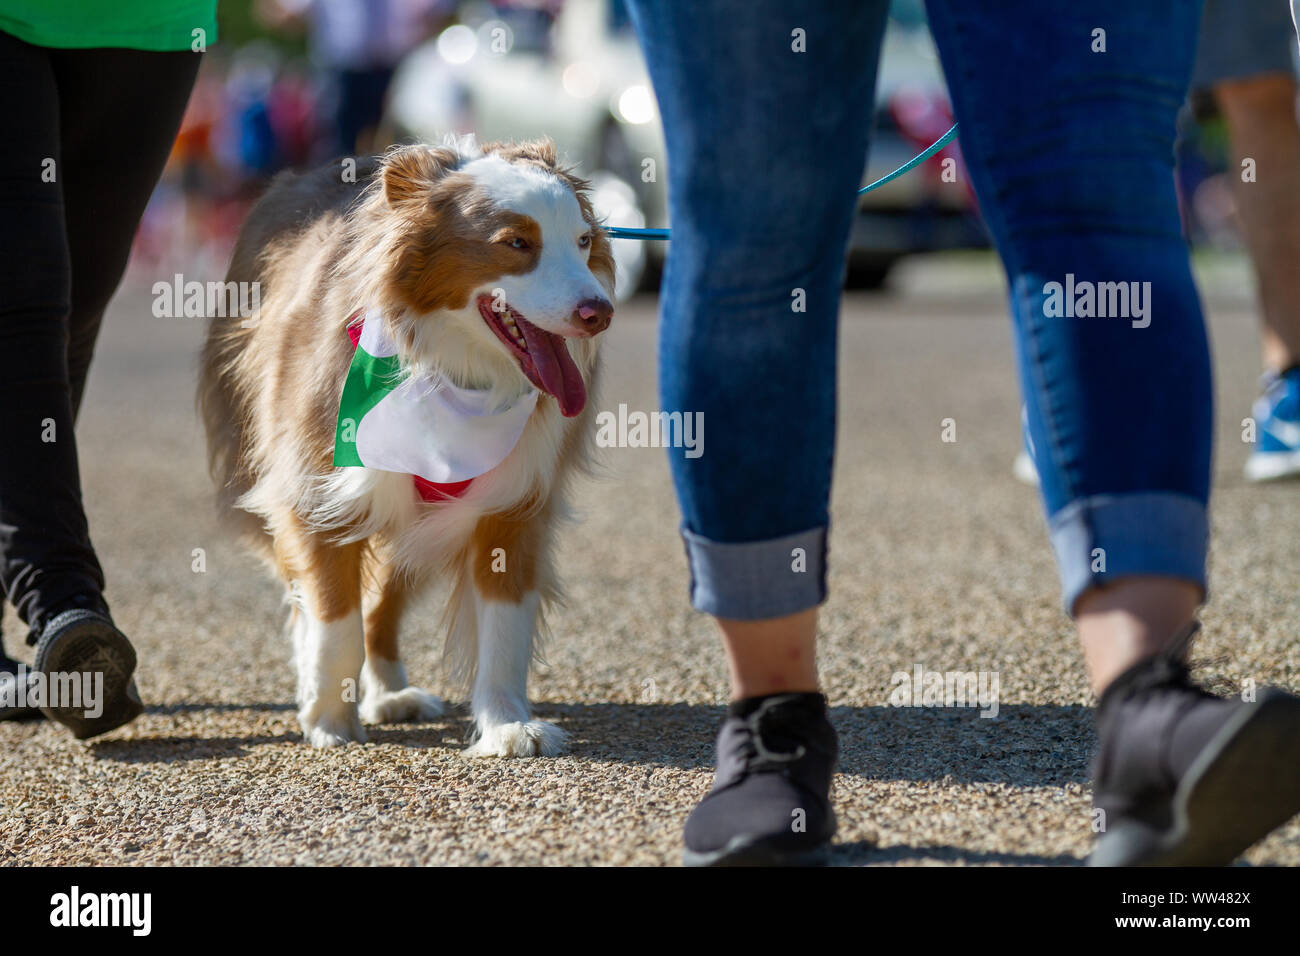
[(487, 272)]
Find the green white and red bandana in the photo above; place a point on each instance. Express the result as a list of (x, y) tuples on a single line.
[(423, 425)]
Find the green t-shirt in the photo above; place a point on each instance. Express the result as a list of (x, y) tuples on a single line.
[(129, 24)]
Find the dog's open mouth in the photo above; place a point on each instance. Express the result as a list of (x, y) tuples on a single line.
[(542, 356)]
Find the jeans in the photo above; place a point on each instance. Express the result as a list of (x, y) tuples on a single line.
[(1070, 154), (86, 134)]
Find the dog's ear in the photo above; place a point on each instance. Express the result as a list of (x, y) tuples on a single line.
[(409, 171)]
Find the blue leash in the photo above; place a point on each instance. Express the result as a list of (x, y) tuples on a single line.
[(621, 232)]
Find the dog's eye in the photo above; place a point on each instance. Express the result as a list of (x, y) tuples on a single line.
[(584, 240), (517, 242)]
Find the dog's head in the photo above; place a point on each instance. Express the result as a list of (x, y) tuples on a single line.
[(500, 259)]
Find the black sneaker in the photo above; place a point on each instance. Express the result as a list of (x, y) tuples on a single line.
[(13, 699), (770, 802), (1186, 778), (81, 641)]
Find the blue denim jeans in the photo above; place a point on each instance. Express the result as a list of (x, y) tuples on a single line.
[(1070, 154)]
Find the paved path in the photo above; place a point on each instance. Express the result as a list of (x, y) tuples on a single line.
[(939, 559)]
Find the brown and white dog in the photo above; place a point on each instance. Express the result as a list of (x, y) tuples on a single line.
[(431, 239)]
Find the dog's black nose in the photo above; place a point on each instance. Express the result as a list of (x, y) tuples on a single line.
[(592, 316)]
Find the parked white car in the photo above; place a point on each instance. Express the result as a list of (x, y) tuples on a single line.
[(577, 75)]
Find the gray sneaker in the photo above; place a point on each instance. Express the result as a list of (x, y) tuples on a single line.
[(13, 699), (84, 641), (1186, 778), (770, 802)]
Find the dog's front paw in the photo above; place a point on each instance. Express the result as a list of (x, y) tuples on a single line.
[(395, 706), (533, 738), (331, 728)]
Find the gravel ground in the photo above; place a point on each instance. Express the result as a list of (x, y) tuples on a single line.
[(939, 559)]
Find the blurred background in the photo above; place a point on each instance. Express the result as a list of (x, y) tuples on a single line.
[(297, 82), (939, 554)]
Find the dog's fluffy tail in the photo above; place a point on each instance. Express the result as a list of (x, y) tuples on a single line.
[(290, 204), (221, 401)]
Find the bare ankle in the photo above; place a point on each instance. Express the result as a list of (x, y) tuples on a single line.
[(1131, 620)]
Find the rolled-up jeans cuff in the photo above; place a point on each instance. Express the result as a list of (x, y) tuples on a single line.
[(757, 579), (1108, 537)]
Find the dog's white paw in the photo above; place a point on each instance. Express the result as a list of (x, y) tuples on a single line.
[(395, 706), (332, 729), (533, 738)]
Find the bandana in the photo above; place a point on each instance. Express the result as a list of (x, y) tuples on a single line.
[(425, 426)]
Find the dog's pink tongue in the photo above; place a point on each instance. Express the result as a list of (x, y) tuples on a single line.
[(555, 367)]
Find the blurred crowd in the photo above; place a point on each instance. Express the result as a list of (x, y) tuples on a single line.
[(310, 87), (295, 82)]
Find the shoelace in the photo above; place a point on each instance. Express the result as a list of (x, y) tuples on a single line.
[(1169, 669), (755, 753)]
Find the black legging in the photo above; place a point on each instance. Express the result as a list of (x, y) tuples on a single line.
[(106, 119)]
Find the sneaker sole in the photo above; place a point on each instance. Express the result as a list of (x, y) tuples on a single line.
[(1245, 784), (1272, 466), (1025, 470), (758, 851), (81, 641)]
